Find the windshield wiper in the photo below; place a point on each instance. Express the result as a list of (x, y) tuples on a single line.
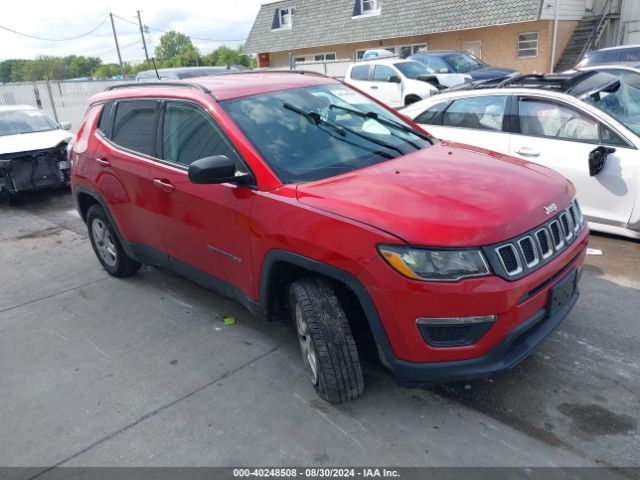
[(341, 129), (383, 121), (315, 118)]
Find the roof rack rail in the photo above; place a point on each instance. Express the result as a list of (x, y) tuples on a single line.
[(159, 83), (299, 72)]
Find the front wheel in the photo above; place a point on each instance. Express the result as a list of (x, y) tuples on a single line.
[(328, 349)]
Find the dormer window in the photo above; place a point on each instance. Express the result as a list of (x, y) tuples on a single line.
[(369, 6), (283, 18), (365, 8)]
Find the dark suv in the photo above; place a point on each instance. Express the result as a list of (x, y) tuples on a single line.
[(297, 195)]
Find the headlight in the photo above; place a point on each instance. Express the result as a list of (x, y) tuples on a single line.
[(435, 265)]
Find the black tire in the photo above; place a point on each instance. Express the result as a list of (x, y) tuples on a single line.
[(338, 377), (116, 262)]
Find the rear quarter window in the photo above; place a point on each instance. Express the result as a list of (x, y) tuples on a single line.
[(104, 125), (134, 126)]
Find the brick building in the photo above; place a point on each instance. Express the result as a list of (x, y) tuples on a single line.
[(510, 33)]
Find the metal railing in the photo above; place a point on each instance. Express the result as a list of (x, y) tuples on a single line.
[(598, 29)]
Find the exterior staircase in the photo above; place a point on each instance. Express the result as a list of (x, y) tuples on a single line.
[(585, 38)]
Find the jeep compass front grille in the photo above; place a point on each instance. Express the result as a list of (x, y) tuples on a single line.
[(524, 254)]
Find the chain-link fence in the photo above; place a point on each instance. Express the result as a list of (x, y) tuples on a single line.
[(65, 101)]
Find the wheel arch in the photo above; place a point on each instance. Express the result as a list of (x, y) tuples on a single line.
[(85, 199), (281, 268)]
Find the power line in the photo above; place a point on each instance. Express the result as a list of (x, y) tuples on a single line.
[(56, 39), (192, 38)]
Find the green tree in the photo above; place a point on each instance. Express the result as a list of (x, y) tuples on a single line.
[(78, 66), (177, 50), (224, 55)]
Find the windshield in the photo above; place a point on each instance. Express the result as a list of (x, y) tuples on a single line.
[(15, 122), (412, 69), (621, 100), (463, 62), (309, 134)]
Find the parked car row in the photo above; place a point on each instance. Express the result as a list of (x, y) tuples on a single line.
[(401, 81)]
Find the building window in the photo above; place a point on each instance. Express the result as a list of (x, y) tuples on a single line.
[(528, 45), (299, 59), (282, 19), (360, 52), (369, 6), (364, 8), (323, 57), (406, 50)]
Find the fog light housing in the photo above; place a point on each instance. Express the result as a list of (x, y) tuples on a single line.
[(454, 331)]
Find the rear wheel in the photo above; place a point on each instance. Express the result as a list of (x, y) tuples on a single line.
[(106, 245), (328, 349)]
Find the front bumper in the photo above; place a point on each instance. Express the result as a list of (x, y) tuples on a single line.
[(513, 348), (520, 307)]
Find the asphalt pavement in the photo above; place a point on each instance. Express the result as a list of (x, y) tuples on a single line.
[(142, 371)]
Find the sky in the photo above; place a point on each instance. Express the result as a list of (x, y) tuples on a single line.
[(215, 22)]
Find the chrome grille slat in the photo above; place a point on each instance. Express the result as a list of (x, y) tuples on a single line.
[(544, 242), (535, 248), (529, 251)]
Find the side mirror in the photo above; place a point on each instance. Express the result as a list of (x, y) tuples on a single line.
[(394, 79), (443, 70), (598, 158), (216, 169), (65, 125)]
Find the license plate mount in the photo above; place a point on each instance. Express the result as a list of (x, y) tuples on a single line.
[(562, 292)]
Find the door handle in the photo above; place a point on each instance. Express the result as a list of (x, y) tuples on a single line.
[(528, 152), (374, 87), (103, 162), (164, 185)]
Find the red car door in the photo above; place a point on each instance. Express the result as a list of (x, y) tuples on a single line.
[(206, 228), (126, 141)]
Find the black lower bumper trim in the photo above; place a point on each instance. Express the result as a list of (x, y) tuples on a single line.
[(514, 348)]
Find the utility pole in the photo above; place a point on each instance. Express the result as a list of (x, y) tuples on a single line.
[(144, 42), (115, 37)]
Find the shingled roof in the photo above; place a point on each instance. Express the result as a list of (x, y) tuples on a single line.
[(319, 23)]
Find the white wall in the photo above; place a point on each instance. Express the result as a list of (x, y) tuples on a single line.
[(569, 9), (629, 23)]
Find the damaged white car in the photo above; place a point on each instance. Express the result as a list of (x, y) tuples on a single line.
[(33, 150)]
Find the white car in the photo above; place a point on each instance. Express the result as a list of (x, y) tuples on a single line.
[(591, 135), (393, 81), (33, 150)]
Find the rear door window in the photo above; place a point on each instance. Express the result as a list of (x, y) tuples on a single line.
[(189, 133), (135, 126), (360, 72), (483, 113)]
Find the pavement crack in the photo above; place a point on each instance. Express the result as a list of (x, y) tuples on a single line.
[(8, 309), (153, 413)]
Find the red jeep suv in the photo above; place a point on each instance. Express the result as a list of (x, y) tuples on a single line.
[(295, 194)]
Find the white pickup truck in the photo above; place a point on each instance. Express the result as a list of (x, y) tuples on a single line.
[(397, 82)]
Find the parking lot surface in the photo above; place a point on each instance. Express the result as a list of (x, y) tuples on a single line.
[(98, 371)]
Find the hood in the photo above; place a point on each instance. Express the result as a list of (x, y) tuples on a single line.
[(487, 73), (448, 195), (27, 142)]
